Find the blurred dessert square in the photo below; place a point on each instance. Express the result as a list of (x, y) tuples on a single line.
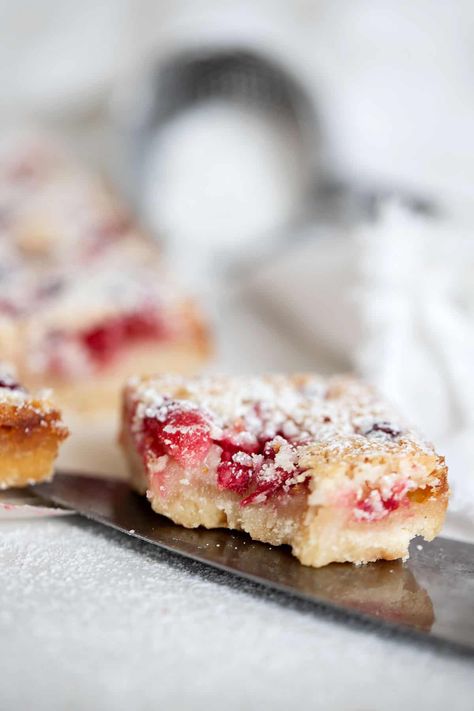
[(85, 299)]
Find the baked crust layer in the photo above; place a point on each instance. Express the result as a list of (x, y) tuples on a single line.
[(347, 482)]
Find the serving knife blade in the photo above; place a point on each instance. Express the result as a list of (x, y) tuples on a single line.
[(430, 597)]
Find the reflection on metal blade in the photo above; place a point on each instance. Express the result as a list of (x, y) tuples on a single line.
[(430, 596)]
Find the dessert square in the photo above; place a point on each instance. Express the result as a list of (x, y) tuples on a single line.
[(320, 464), (103, 321), (85, 299), (31, 432)]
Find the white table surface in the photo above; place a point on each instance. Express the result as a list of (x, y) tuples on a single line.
[(91, 619)]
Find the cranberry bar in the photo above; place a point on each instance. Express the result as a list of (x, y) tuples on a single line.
[(85, 299), (101, 322), (322, 465), (30, 434)]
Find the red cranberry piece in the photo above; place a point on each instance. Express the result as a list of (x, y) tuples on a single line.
[(267, 488), (267, 449), (230, 447), (143, 324), (234, 476), (391, 504), (384, 427), (152, 437), (396, 497), (366, 506), (184, 435), (187, 437), (102, 341), (238, 476)]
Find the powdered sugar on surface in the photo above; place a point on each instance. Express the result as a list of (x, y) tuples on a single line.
[(93, 619)]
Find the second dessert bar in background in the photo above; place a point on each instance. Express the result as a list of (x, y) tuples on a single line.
[(84, 297)]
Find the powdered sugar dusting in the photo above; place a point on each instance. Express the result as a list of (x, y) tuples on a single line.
[(268, 429), (339, 413)]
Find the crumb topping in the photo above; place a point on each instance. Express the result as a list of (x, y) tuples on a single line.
[(338, 412), (266, 426)]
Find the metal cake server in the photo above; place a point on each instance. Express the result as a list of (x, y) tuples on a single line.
[(430, 597)]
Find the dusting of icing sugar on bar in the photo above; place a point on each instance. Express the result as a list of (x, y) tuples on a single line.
[(265, 428), (338, 412), (322, 464)]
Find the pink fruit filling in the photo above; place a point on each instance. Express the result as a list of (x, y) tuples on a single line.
[(104, 341), (247, 463), (257, 463), (184, 435), (376, 504)]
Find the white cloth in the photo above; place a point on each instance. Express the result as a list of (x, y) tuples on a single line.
[(417, 311), (393, 300)]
